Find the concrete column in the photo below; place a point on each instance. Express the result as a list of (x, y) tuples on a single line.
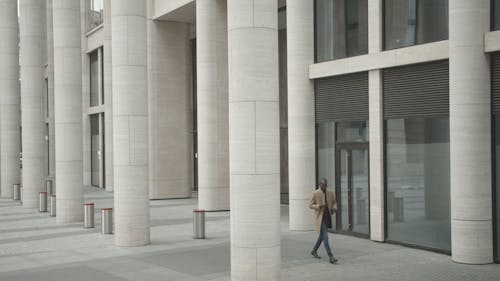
[(301, 123), (254, 139), (376, 126), (32, 14), (50, 78), (470, 133), (10, 111), (212, 91), (376, 133), (108, 98), (130, 122), (68, 110), (170, 109)]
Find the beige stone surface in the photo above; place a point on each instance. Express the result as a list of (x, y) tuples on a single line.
[(130, 122), (212, 105), (10, 110), (372, 61), (301, 122), (68, 110), (254, 140), (170, 108), (32, 33), (470, 133)]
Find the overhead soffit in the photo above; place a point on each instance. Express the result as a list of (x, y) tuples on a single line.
[(175, 10), (182, 10)]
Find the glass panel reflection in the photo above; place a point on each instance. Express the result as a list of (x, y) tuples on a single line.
[(412, 22), (341, 29), (354, 131), (343, 203), (94, 78), (418, 181), (360, 209), (95, 143), (496, 14), (497, 175), (95, 13)]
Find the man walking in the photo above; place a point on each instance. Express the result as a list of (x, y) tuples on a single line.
[(323, 203)]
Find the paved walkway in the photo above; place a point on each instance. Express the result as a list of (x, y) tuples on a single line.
[(34, 248)]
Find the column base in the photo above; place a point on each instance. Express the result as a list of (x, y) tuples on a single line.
[(472, 242)]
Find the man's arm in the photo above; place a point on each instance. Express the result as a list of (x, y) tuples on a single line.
[(314, 205)]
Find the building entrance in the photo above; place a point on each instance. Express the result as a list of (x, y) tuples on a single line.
[(352, 189)]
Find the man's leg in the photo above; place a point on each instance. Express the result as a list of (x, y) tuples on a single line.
[(316, 246), (318, 242), (314, 252), (327, 244), (325, 240)]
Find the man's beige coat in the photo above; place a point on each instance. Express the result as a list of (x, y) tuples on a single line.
[(318, 200)]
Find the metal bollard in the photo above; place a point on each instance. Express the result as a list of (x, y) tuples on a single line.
[(52, 205), (107, 220), (399, 212), (42, 206), (17, 192), (88, 211), (199, 224), (21, 195), (48, 186)]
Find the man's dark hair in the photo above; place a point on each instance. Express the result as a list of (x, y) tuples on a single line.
[(322, 180)]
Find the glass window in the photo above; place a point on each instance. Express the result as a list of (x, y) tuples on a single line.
[(413, 22), (341, 29), (326, 151), (354, 131), (94, 144), (496, 14), (102, 74), (497, 176), (418, 181), (95, 13), (94, 78)]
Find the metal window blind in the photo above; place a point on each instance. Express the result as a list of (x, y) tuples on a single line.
[(342, 98), (416, 90), (495, 82)]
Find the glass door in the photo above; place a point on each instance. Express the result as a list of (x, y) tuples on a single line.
[(352, 192), (97, 150)]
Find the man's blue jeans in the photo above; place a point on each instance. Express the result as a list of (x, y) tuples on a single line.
[(323, 237)]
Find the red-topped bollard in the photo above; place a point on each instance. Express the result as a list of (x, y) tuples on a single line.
[(199, 224), (88, 219), (107, 220), (43, 202)]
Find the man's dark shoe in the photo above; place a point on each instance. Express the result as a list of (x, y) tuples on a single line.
[(315, 254), (333, 259)]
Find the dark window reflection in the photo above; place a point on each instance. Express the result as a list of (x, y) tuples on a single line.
[(353, 131), (413, 22), (496, 15), (94, 78), (497, 174), (341, 29)]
